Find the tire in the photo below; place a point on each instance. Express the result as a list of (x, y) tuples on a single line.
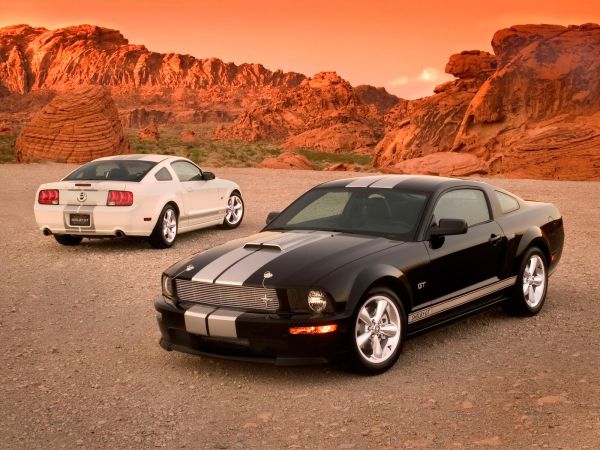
[(235, 211), (68, 239), (531, 286), (368, 335), (165, 231)]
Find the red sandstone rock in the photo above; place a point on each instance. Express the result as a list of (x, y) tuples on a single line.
[(149, 133), (323, 113), (341, 167), (382, 99), (287, 160), (6, 129), (536, 116), (471, 63), (75, 127), (188, 136), (446, 164)]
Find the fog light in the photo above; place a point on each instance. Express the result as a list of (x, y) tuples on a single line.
[(321, 329), (317, 301)]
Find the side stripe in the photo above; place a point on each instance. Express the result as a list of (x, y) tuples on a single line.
[(460, 300)]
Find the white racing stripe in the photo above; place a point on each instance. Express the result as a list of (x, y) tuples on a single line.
[(242, 270), (424, 313)]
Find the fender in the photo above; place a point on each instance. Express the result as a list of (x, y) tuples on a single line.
[(532, 233), (354, 287)]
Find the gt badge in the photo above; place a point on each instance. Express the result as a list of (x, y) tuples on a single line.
[(82, 197), (421, 285)]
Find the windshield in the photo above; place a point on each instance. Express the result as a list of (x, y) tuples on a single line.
[(385, 212), (112, 169)]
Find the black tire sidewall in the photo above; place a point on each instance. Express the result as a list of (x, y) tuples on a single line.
[(359, 363)]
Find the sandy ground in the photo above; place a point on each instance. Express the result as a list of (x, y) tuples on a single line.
[(81, 367)]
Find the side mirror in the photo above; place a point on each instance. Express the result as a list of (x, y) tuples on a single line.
[(207, 176), (272, 216), (448, 227)]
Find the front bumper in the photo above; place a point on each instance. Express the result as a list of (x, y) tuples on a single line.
[(248, 336)]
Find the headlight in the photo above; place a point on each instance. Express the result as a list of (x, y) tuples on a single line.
[(317, 301), (167, 287)]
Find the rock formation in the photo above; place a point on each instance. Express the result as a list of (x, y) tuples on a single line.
[(149, 133), (6, 129), (75, 127), (341, 167), (142, 117), (531, 110), (188, 136), (323, 113), (287, 160)]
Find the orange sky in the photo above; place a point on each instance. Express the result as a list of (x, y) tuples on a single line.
[(402, 46)]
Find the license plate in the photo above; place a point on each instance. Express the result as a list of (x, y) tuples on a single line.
[(79, 220)]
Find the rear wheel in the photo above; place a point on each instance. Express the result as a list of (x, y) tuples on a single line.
[(379, 331), (68, 239), (165, 230), (235, 211), (531, 286)]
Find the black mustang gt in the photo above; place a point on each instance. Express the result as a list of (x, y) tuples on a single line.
[(354, 266)]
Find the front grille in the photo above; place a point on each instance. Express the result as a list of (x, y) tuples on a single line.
[(241, 297)]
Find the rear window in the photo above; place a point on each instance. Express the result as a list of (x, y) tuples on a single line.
[(112, 169), (507, 202)]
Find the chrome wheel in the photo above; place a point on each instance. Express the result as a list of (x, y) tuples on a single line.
[(534, 281), (169, 226), (378, 329), (235, 210)]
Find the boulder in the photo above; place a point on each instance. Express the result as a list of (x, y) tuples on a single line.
[(446, 164), (6, 129), (188, 136), (341, 167), (149, 133), (287, 160), (75, 127)]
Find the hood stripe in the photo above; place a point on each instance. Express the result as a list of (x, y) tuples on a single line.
[(235, 267)]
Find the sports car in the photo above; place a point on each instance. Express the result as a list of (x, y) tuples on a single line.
[(156, 196), (354, 266)]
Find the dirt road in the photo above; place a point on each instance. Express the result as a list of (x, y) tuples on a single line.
[(81, 367)]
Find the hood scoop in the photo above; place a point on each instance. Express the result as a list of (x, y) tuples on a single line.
[(260, 246)]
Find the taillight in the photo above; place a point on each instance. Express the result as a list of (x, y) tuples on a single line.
[(119, 198), (48, 197)]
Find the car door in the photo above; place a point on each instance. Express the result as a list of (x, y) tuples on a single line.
[(465, 261), (200, 197)]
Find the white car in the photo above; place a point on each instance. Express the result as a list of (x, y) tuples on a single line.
[(157, 196)]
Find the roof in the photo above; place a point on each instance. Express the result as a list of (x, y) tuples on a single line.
[(411, 182), (141, 157)]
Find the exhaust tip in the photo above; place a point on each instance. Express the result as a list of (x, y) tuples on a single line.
[(47, 232), (119, 234)]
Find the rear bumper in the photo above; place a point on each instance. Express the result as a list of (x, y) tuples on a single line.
[(249, 336), (104, 220)]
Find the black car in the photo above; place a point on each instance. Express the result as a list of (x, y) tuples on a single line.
[(354, 266)]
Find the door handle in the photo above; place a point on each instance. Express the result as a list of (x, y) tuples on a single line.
[(495, 239)]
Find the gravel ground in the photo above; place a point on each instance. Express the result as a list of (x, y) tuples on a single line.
[(81, 365)]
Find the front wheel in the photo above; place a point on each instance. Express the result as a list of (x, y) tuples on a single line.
[(379, 331), (235, 211), (165, 230), (68, 239), (531, 286)]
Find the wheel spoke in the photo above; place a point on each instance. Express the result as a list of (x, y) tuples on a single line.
[(525, 287), (377, 350), (364, 316), (389, 329), (363, 339), (538, 280), (532, 265), (531, 294), (381, 307)]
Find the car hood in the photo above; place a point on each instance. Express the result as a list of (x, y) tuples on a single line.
[(294, 258)]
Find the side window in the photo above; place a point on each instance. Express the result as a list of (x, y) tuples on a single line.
[(466, 204), (163, 175), (507, 202), (186, 171)]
